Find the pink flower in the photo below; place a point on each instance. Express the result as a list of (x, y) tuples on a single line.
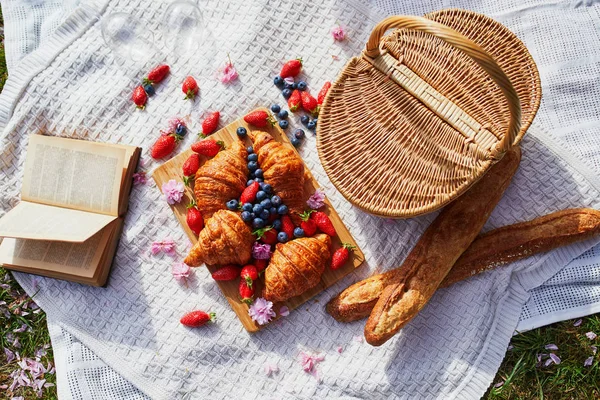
[(309, 362), (173, 191), (270, 368), (284, 311), (261, 311), (340, 349), (228, 73), (358, 339), (139, 178), (338, 33), (591, 335), (261, 251), (166, 246), (588, 361), (317, 200), (180, 271)]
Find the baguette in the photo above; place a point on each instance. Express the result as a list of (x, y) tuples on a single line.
[(489, 250), (437, 250)]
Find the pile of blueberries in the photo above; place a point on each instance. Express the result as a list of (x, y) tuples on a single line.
[(286, 91), (298, 135)]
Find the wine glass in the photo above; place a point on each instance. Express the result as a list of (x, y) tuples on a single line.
[(183, 28)]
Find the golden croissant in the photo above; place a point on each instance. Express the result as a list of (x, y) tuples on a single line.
[(283, 169), (296, 266), (225, 239), (221, 179)]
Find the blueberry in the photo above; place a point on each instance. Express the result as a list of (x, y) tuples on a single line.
[(246, 216), (180, 130), (282, 209), (268, 189), (302, 86), (283, 124), (304, 119), (283, 114), (241, 132), (264, 215), (250, 182), (250, 149), (273, 210), (275, 108), (295, 86), (259, 173), (276, 201), (252, 175), (259, 180), (288, 85), (266, 203), (277, 224), (247, 207), (261, 195), (299, 133), (258, 223), (257, 209), (252, 165), (312, 125), (282, 237), (286, 93), (149, 89), (252, 157), (296, 142), (298, 232), (278, 81), (252, 216), (232, 205)]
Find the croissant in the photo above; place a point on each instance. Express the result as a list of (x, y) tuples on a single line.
[(221, 179), (225, 239), (283, 169), (295, 267)]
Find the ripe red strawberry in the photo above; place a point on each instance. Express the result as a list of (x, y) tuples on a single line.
[(249, 194), (295, 100), (164, 146), (246, 292), (250, 274), (308, 225), (291, 68), (190, 167), (267, 235), (189, 87), (309, 103), (287, 226), (139, 97), (259, 119), (196, 319), (341, 255), (261, 265), (210, 123), (227, 273), (323, 223), (323, 92), (194, 218), (208, 148), (157, 74)]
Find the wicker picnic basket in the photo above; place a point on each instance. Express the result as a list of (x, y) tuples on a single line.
[(425, 111)]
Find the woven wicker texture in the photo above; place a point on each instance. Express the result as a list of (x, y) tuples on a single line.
[(425, 111)]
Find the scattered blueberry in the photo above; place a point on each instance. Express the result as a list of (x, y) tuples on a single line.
[(302, 86), (250, 149), (282, 237), (252, 157), (296, 142), (278, 81), (268, 189), (247, 207), (282, 210), (275, 108), (252, 175), (273, 210), (258, 223), (312, 125), (304, 119), (241, 132), (264, 215), (232, 204), (277, 224), (180, 130), (246, 216), (298, 232), (257, 209), (149, 89), (283, 124), (283, 114), (295, 86), (250, 182), (266, 203), (259, 180), (288, 85), (261, 195), (286, 93), (259, 173), (252, 165), (276, 201), (299, 133)]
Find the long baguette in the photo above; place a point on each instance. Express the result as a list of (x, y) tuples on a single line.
[(437, 250), (489, 250)]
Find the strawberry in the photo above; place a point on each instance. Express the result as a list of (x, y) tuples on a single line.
[(195, 319), (287, 226), (190, 167), (164, 146), (246, 292), (341, 255), (249, 194), (189, 87), (139, 97), (261, 265), (259, 119), (291, 68), (194, 218), (295, 101), (323, 92), (266, 235), (210, 123), (226, 273), (157, 74), (208, 148), (308, 225), (323, 223), (250, 274), (309, 103)]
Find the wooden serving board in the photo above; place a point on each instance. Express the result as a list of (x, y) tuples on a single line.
[(172, 170)]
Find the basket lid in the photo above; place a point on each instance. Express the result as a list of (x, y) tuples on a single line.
[(425, 111)]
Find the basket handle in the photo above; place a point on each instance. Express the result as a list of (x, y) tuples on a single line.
[(467, 46)]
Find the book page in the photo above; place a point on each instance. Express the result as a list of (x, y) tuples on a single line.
[(39, 221), (74, 174)]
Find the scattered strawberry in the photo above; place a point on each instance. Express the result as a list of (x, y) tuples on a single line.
[(291, 68), (196, 319), (246, 292), (190, 167), (189, 87), (227, 273), (250, 274), (259, 118), (266, 235), (164, 146), (323, 92), (157, 74), (210, 123), (139, 97), (261, 265), (287, 226), (208, 148), (308, 225), (341, 255), (249, 194), (309, 103), (295, 100), (323, 222), (194, 218)]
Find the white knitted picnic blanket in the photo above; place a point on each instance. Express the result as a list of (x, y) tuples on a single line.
[(125, 341)]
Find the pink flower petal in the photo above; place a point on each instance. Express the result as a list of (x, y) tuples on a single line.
[(284, 311), (578, 322), (551, 347), (548, 362), (555, 359), (139, 178), (228, 73), (497, 385), (594, 349), (289, 80), (340, 349), (338, 33), (358, 339), (270, 368), (591, 335), (317, 200), (166, 246), (180, 271), (10, 356), (309, 362), (588, 361)]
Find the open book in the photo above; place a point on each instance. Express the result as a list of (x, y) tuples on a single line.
[(69, 220)]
